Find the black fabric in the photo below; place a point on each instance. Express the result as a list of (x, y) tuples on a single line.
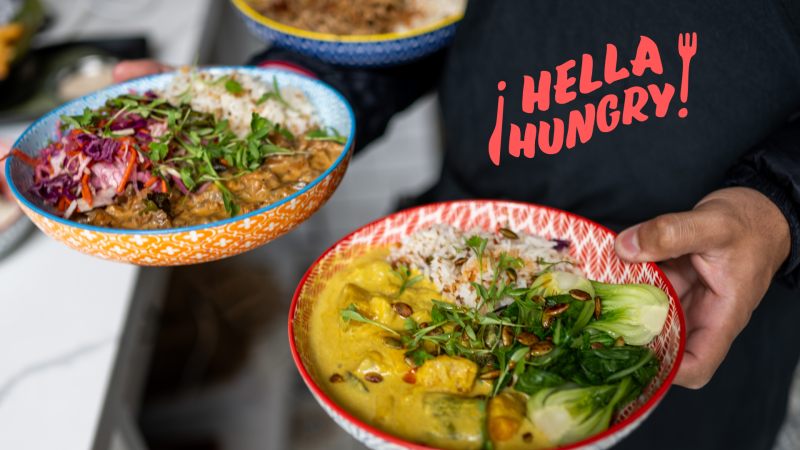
[(772, 169), (375, 94), (744, 85)]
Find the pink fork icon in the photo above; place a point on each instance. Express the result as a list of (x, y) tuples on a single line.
[(686, 51)]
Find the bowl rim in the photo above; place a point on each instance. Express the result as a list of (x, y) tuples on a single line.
[(103, 230), (321, 396), (350, 38)]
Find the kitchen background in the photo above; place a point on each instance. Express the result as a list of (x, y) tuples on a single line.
[(209, 342)]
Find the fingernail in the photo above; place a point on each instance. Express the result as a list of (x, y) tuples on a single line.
[(629, 241)]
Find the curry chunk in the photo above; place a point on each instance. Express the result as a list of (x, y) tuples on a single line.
[(505, 414), (448, 374), (454, 421), (371, 305)]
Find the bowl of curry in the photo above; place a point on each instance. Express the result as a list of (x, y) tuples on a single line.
[(354, 33), (351, 332), (185, 167)]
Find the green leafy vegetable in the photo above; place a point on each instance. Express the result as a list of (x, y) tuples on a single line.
[(233, 86), (570, 413), (637, 312)]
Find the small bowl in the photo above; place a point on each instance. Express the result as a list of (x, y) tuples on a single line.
[(186, 245), (376, 50), (589, 242)]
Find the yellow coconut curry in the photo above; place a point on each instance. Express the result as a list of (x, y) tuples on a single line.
[(442, 403), (529, 366)]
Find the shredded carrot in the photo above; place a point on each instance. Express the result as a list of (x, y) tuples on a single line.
[(59, 146), (33, 162), (87, 194), (151, 181), (73, 153), (224, 162), (128, 169), (163, 186), (62, 205)]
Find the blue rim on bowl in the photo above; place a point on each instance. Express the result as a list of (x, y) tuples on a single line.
[(16, 170), (376, 50)]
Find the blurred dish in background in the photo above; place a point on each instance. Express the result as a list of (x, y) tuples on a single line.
[(13, 223), (19, 21), (53, 75), (84, 76), (354, 33), (358, 17)]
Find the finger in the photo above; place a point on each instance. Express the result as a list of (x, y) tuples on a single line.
[(128, 70), (672, 235), (706, 348)]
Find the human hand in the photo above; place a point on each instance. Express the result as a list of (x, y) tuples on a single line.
[(720, 257), (128, 70)]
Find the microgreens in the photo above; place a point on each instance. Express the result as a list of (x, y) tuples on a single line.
[(403, 273), (350, 313)]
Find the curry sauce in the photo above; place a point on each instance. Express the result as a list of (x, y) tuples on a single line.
[(278, 177), (360, 366)]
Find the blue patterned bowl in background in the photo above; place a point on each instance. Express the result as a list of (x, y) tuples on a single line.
[(378, 50)]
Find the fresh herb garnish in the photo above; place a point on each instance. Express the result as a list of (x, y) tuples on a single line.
[(403, 273), (233, 86), (322, 135), (350, 313)]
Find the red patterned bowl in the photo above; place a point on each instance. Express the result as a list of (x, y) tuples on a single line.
[(590, 243)]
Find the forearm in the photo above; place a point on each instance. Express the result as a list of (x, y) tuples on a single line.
[(773, 168), (375, 94)]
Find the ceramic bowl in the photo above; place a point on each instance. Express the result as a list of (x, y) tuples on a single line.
[(376, 50), (589, 242), (187, 245)]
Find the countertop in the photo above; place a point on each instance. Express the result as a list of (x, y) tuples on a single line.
[(62, 312)]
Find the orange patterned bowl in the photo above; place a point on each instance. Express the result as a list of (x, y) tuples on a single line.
[(187, 245), (589, 242)]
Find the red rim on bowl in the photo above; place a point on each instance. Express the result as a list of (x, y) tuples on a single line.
[(613, 429)]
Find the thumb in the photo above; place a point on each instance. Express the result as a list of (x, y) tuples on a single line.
[(668, 236)]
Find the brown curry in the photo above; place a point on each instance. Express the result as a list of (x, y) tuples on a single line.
[(278, 177)]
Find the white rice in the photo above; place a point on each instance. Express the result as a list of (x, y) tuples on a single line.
[(238, 108), (443, 244), (432, 11)]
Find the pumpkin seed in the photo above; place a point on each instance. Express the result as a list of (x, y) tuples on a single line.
[(538, 299), (541, 348), (597, 346), (410, 362), (527, 438), (620, 342), (436, 331), (490, 335), (392, 343), (508, 336), (578, 294), (428, 260), (512, 274), (336, 378), (402, 309), (490, 375), (597, 308), (511, 364), (460, 261), (526, 338), (373, 377), (547, 321), (557, 309), (508, 233)]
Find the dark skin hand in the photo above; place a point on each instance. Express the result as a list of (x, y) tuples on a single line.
[(720, 257)]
